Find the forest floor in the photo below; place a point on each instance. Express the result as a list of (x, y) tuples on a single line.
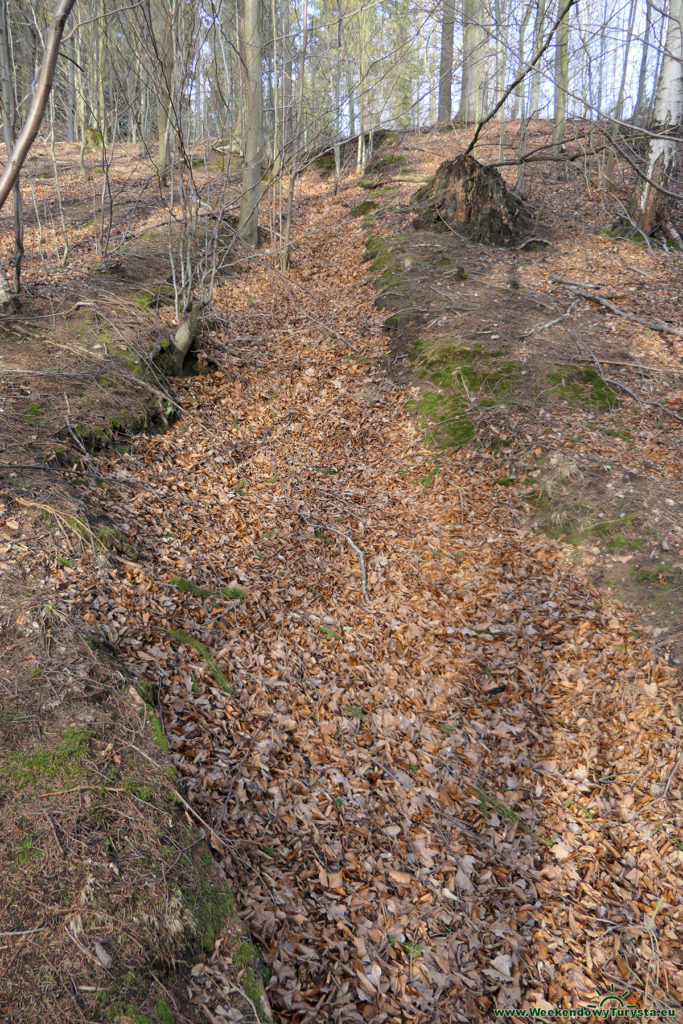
[(377, 586)]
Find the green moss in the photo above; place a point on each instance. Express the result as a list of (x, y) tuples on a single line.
[(622, 434), (384, 162), (119, 1010), (625, 230), (189, 587), (461, 377), (660, 574), (252, 989), (139, 789), (33, 413), (581, 386), (325, 163), (147, 690), (218, 675), (40, 766), (362, 209), (93, 138), (158, 733), (103, 538), (164, 1013), (24, 851), (244, 954), (211, 905), (150, 298)]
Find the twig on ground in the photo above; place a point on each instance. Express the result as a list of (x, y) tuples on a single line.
[(654, 325), (612, 382), (340, 533), (550, 323)]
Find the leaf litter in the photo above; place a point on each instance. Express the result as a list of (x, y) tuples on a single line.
[(461, 793)]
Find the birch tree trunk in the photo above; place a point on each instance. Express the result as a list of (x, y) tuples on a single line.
[(446, 61), (648, 207), (253, 147)]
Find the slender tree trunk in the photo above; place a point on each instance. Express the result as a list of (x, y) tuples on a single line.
[(473, 58), (619, 108), (168, 16), (642, 75), (71, 95), (446, 61), (337, 97), (9, 119), (297, 145), (561, 81), (648, 207), (23, 142), (253, 148), (539, 25), (287, 73), (518, 108)]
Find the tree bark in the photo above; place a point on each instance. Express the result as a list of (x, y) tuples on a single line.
[(539, 24), (253, 148), (642, 75), (561, 80), (446, 61), (475, 201), (648, 207), (472, 61), (9, 120)]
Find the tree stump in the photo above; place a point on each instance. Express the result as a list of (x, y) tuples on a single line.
[(475, 201)]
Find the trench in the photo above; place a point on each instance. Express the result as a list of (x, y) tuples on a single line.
[(375, 679)]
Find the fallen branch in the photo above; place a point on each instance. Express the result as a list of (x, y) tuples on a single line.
[(550, 323), (654, 325), (332, 529)]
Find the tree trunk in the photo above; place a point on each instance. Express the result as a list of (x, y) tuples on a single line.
[(446, 61), (619, 108), (15, 160), (473, 57), (168, 16), (561, 81), (648, 207), (253, 148), (539, 24), (9, 119), (518, 109), (642, 75)]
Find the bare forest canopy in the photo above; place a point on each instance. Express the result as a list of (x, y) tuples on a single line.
[(271, 86)]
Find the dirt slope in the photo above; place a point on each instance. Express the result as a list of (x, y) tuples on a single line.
[(443, 765)]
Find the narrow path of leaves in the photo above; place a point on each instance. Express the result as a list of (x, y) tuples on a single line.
[(456, 795)]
